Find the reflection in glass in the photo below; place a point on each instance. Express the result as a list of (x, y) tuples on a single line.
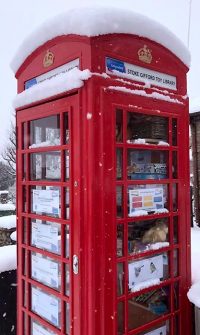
[(120, 279), (46, 305), (147, 307), (174, 165), (119, 162), (147, 164), (174, 132), (148, 271), (147, 235), (147, 199), (37, 328), (45, 132), (45, 200), (120, 240), (67, 280), (175, 220), (45, 166), (45, 270), (143, 128), (119, 125), (46, 235), (120, 314), (119, 201)]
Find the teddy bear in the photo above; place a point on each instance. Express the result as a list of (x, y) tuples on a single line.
[(157, 233)]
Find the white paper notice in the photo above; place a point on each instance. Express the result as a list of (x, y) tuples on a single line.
[(46, 236), (39, 330), (46, 201), (45, 270), (159, 331), (47, 306), (145, 269)]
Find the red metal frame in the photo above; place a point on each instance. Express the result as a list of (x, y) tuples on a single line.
[(93, 220)]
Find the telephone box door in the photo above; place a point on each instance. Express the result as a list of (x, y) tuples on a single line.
[(48, 218)]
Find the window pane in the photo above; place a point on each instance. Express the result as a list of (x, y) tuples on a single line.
[(67, 165), (175, 220), (67, 279), (25, 139), (45, 132), (147, 199), (119, 125), (174, 165), (45, 166), (176, 295), (142, 128), (37, 328), (161, 329), (45, 200), (67, 241), (120, 314), (67, 307), (67, 202), (148, 271), (46, 235), (175, 197), (147, 235), (46, 305), (147, 164), (174, 132), (176, 262), (120, 240), (119, 200), (45, 270), (66, 129), (147, 307), (120, 279), (119, 162)]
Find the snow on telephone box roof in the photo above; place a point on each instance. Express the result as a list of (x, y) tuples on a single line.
[(95, 21)]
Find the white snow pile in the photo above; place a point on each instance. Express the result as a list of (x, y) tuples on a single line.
[(8, 222), (7, 207), (194, 292), (194, 105), (13, 236), (61, 83), (140, 286), (8, 258), (98, 20)]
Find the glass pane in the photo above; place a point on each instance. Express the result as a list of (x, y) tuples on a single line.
[(25, 321), (119, 200), (67, 306), (147, 307), (67, 279), (24, 259), (176, 296), (175, 220), (45, 200), (150, 129), (24, 199), (67, 241), (24, 232), (119, 161), (175, 197), (25, 138), (45, 166), (45, 132), (174, 132), (67, 201), (119, 125), (46, 235), (148, 271), (25, 290), (45, 270), (38, 329), (160, 329), (46, 305), (147, 235), (120, 279), (120, 240), (67, 165), (66, 130), (147, 199), (176, 325), (24, 166), (147, 164), (174, 165), (176, 262), (120, 314)]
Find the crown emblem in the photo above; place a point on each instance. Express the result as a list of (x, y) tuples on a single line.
[(145, 55), (48, 59)]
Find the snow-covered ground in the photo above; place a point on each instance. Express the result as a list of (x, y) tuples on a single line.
[(8, 254)]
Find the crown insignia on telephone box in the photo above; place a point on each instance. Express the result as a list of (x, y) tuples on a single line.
[(145, 55), (48, 59)]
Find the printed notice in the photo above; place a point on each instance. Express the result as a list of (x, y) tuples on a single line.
[(148, 199), (45, 270), (46, 201), (46, 236), (46, 306), (159, 331), (145, 270), (39, 330)]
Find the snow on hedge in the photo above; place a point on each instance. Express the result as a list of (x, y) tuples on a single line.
[(7, 207), (95, 21), (8, 258), (8, 222)]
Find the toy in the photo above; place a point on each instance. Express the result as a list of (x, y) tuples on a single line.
[(155, 234)]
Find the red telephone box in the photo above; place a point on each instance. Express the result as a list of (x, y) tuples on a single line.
[(103, 190)]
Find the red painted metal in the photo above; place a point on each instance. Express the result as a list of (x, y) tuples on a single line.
[(93, 217)]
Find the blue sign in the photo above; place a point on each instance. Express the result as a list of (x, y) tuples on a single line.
[(115, 65), (30, 83)]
